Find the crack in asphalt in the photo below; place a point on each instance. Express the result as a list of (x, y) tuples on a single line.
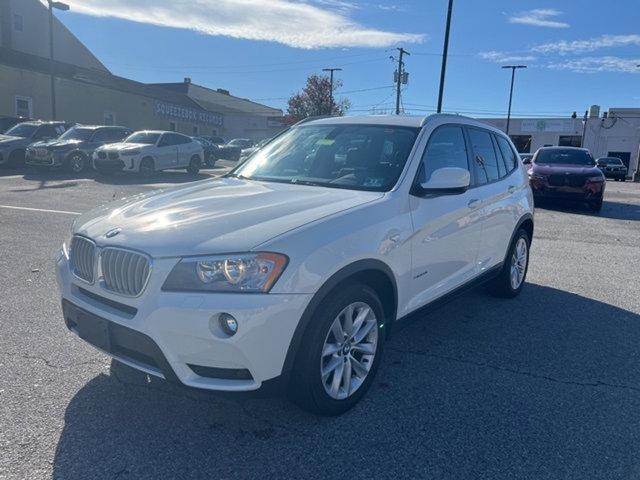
[(48, 362), (596, 383)]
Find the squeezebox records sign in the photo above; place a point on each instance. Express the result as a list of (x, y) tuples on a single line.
[(186, 114)]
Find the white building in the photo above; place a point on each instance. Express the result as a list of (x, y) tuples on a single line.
[(616, 133)]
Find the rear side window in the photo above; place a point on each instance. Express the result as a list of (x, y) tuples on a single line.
[(485, 158), (446, 148), (509, 156)]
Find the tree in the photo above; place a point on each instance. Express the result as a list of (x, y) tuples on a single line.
[(315, 99)]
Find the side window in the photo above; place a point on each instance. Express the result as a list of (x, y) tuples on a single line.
[(510, 157), (484, 156), (502, 169), (101, 136), (46, 131), (446, 148), (182, 139), (166, 140)]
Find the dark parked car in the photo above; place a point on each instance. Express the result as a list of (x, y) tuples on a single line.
[(14, 143), (210, 150), (7, 122), (74, 148), (233, 149), (613, 167), (567, 173)]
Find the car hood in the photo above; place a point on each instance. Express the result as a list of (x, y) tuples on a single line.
[(555, 169), (56, 143), (7, 139), (214, 216), (123, 146)]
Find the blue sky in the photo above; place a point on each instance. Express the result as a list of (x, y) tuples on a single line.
[(579, 52)]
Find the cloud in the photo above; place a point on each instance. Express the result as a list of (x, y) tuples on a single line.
[(565, 47), (307, 25), (539, 17), (598, 64), (503, 57)]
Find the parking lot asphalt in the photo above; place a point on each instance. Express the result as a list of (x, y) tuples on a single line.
[(545, 386)]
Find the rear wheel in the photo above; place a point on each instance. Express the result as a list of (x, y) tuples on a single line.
[(147, 167), (76, 162), (510, 281), (341, 351), (194, 165)]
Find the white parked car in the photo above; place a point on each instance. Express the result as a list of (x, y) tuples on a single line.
[(293, 269), (147, 152)]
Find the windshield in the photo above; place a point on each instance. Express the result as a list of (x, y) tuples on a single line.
[(357, 157), (23, 130), (564, 157), (610, 161), (239, 142), (148, 138), (77, 133)]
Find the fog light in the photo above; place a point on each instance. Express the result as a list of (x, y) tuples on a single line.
[(228, 324)]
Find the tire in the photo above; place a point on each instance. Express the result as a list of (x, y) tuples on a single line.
[(596, 205), (194, 165), (76, 162), (317, 393), (147, 168), (503, 285)]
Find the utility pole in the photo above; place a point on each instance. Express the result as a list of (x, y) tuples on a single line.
[(585, 119), (400, 77), (445, 53), (513, 76), (64, 7), (331, 70)]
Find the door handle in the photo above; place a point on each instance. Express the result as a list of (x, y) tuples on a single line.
[(511, 189), (473, 203)]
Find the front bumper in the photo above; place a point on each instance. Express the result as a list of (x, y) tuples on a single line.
[(48, 159), (590, 191), (116, 163), (174, 335)]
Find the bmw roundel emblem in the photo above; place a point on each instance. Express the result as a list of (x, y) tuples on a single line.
[(113, 232)]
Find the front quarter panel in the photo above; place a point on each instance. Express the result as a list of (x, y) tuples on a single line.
[(379, 230)]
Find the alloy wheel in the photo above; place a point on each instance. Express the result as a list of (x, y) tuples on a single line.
[(349, 350), (76, 163), (518, 263)]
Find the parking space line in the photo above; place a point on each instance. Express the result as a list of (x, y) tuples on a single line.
[(45, 210)]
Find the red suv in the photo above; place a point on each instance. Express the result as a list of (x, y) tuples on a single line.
[(567, 173)]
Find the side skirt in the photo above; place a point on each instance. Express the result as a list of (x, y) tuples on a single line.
[(480, 280)]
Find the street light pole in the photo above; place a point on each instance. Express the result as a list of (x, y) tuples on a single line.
[(513, 77), (331, 70), (445, 53), (64, 7)]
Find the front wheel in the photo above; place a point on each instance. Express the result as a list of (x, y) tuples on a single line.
[(341, 351), (147, 167), (510, 281), (76, 163), (194, 165)]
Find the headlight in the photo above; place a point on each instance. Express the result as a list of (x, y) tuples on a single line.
[(243, 272), (133, 151), (596, 179)]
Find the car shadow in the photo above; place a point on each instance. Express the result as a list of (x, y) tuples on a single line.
[(612, 210), (481, 387)]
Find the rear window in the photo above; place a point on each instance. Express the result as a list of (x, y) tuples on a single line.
[(564, 157), (611, 161)]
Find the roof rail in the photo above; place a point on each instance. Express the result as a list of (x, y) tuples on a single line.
[(310, 119)]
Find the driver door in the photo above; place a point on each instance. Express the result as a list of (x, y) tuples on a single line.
[(447, 228), (167, 153)]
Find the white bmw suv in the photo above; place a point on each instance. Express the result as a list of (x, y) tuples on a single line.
[(293, 269), (147, 152)]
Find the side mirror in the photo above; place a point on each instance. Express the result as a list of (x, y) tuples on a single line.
[(446, 181), (526, 161)]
